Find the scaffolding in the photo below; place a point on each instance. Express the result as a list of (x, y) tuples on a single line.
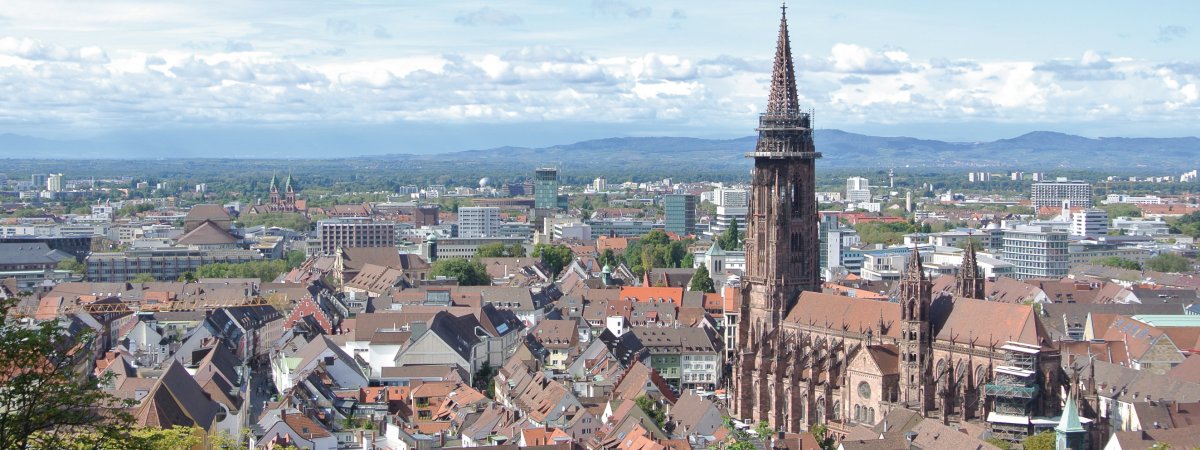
[(1013, 389)]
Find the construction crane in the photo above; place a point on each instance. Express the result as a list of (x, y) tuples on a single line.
[(104, 306)]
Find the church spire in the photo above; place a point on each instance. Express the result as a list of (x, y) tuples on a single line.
[(783, 98), (970, 284)]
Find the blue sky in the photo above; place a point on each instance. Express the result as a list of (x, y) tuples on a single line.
[(545, 72)]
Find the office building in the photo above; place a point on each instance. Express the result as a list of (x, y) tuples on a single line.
[(1036, 251), (164, 264), (622, 227), (858, 189), (680, 213), (355, 232), (1054, 193), (38, 180), (1089, 222), (545, 188), (478, 222)]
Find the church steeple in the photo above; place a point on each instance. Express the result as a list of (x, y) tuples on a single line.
[(783, 97), (970, 283), (782, 242), (274, 189)]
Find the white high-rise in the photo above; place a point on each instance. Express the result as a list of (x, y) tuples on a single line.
[(54, 183), (478, 221), (858, 189), (1089, 222)]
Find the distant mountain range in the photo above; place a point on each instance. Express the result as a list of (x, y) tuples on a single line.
[(1036, 150)]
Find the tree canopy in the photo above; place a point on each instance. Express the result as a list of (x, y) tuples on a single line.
[(701, 282), (1169, 262), (1118, 262), (655, 249), (266, 270), (468, 272), (731, 238), (499, 250), (555, 256)]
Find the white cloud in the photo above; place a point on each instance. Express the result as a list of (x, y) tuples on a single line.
[(488, 16), (851, 84)]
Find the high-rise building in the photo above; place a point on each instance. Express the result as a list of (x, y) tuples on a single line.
[(38, 180), (54, 182), (858, 189), (680, 213), (1053, 193), (355, 232), (1089, 222), (1036, 252), (600, 184), (782, 239), (545, 188), (478, 222)]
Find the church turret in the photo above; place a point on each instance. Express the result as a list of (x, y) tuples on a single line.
[(1070, 433), (916, 339)]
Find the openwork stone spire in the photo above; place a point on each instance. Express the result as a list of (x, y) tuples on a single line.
[(783, 98)]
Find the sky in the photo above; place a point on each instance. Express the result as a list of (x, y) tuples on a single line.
[(428, 76)]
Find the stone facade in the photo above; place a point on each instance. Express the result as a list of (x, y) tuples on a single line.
[(806, 357)]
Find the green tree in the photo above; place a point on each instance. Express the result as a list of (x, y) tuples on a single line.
[(999, 443), (763, 429), (48, 399), (517, 251), (295, 258), (608, 257), (1116, 210), (1118, 262), (1041, 441), (1169, 262), (648, 406), (143, 278), (72, 265), (468, 272), (187, 277), (492, 250), (820, 432), (731, 239), (291, 221), (555, 256), (701, 282), (266, 270), (689, 260)]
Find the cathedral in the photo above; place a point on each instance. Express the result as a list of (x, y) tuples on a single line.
[(806, 357), (280, 201)]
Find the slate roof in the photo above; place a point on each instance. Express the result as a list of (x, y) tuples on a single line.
[(25, 253)]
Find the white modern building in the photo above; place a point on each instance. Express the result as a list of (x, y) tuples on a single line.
[(858, 189), (1089, 222), (1054, 193), (478, 222)]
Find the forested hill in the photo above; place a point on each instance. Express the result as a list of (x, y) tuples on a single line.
[(644, 155)]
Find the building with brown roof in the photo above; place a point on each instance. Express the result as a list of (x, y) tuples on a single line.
[(199, 214)]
